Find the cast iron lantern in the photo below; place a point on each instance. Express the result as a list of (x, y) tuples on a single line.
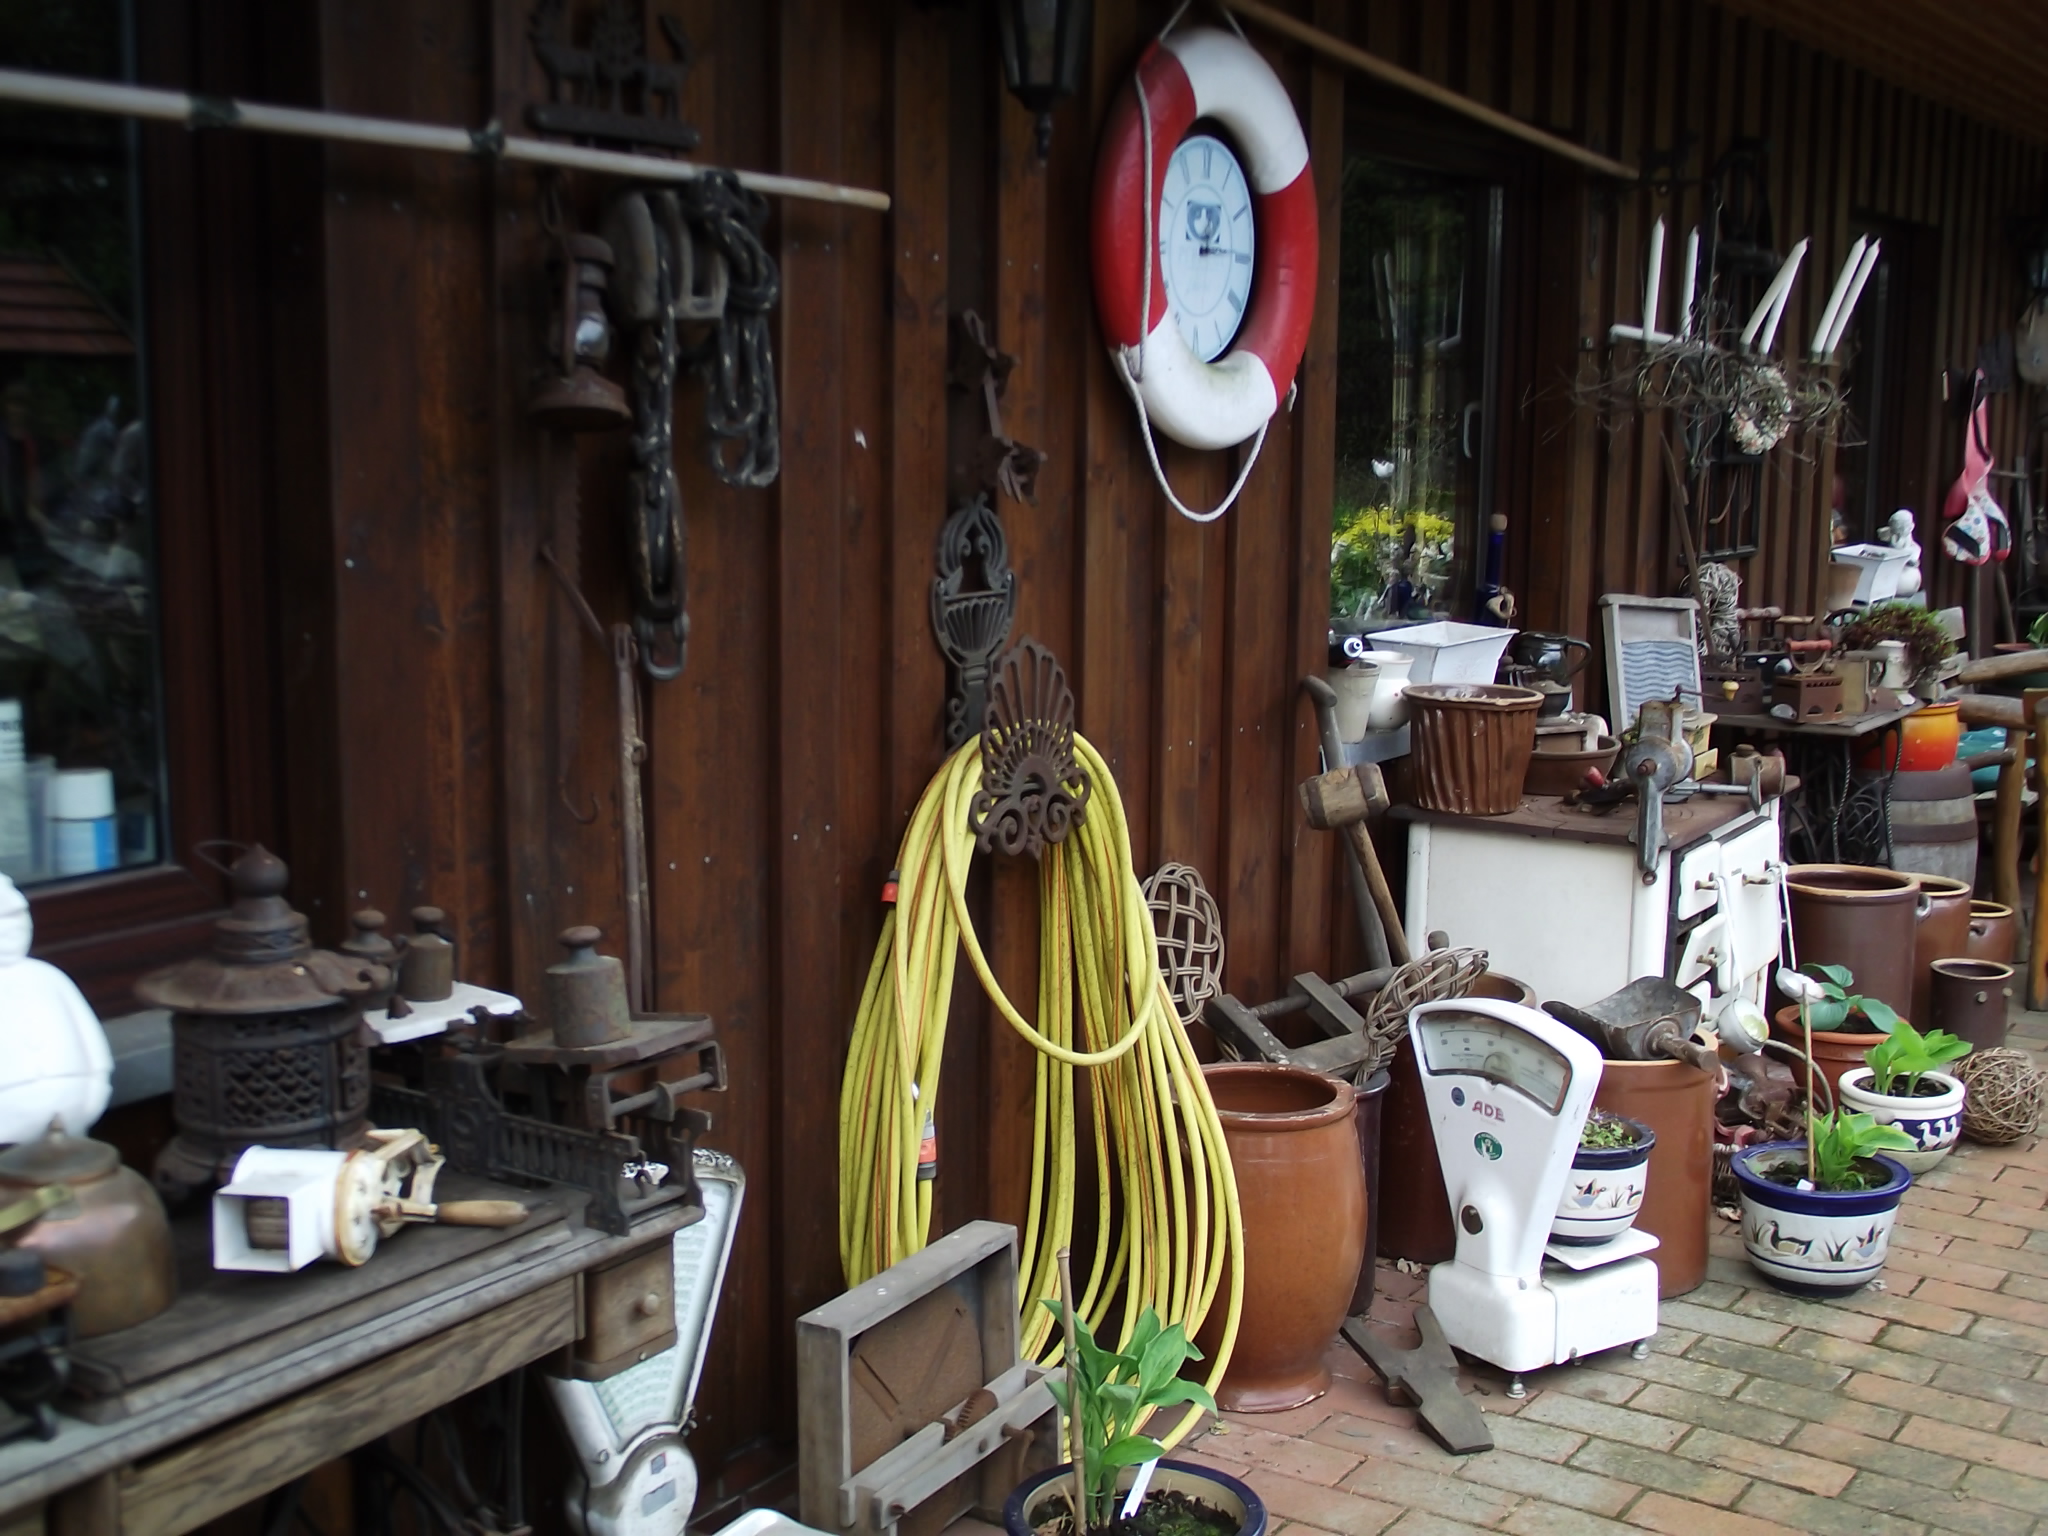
[(266, 1037), (1044, 44)]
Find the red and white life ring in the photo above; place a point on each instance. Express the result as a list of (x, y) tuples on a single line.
[(1205, 72)]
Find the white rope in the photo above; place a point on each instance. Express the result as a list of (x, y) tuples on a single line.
[(1131, 360)]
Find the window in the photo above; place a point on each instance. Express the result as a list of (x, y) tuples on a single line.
[(1417, 359), (81, 751)]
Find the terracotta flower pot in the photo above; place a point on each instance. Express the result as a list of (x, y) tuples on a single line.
[(1994, 933), (1835, 1051), (1941, 932), (1302, 1188), (1861, 917)]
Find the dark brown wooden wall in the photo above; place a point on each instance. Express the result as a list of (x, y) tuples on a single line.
[(451, 725)]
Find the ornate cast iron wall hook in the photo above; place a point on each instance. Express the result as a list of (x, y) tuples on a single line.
[(972, 619), (610, 89), (1033, 792)]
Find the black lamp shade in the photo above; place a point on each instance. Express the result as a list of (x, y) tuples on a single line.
[(1045, 43)]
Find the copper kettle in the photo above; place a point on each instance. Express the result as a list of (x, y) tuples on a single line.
[(111, 1232)]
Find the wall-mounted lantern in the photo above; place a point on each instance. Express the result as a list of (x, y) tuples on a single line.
[(1045, 44)]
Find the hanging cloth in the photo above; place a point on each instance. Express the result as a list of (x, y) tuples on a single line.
[(1977, 529)]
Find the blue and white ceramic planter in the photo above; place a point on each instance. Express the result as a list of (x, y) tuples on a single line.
[(1815, 1242), (1934, 1121), (1604, 1192)]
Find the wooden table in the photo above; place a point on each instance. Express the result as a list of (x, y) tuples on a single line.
[(250, 1381), (1815, 823), (1834, 728)]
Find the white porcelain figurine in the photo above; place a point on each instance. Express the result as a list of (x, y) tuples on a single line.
[(54, 1061), (1898, 532)]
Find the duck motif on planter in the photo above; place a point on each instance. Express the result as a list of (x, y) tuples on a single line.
[(1814, 1242), (1605, 1192)]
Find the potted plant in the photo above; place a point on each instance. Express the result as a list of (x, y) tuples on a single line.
[(1610, 1171), (1899, 1086), (1843, 1023), (1817, 1215), (1106, 1399), (1927, 640)]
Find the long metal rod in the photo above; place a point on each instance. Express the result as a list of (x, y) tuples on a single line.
[(31, 88), (1393, 74)]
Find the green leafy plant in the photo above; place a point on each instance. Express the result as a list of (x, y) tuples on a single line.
[(1898, 1060), (1927, 640), (1109, 1394), (1605, 1132), (1841, 1141), (2037, 632), (1838, 1004)]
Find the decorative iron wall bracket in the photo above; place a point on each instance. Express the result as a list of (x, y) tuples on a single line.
[(972, 621), (1033, 791)]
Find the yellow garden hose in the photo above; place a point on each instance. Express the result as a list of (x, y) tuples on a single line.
[(1168, 1230)]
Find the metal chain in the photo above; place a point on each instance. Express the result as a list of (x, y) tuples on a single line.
[(737, 362)]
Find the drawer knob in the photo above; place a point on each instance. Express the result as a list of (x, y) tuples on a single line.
[(648, 1305)]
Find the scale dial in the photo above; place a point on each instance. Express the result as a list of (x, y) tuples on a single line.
[(1479, 1045), (1207, 243)]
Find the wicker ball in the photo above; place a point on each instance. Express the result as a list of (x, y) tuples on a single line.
[(2004, 1101)]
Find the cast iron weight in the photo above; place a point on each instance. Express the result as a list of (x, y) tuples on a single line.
[(1428, 1377)]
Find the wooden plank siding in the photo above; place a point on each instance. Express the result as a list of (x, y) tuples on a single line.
[(472, 722)]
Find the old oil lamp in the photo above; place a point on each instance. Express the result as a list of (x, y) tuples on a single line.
[(266, 1036), (576, 396)]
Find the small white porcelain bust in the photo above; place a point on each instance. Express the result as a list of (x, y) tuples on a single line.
[(1898, 532), (54, 1061)]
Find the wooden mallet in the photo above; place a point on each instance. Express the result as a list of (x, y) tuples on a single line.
[(1343, 800)]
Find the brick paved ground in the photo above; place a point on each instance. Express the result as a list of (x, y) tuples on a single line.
[(1921, 1407)]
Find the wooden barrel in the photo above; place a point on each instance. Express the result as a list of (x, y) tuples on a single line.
[(1934, 823)]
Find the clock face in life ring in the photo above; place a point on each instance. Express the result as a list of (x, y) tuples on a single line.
[(1207, 243)]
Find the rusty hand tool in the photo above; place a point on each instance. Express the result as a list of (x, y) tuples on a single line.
[(1647, 1020), (1341, 801), (1324, 697)]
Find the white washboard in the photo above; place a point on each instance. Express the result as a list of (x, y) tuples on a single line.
[(1651, 652)]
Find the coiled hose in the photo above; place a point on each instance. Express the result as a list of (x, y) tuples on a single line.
[(1160, 1161)]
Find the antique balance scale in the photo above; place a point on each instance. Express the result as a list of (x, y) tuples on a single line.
[(1508, 1090)]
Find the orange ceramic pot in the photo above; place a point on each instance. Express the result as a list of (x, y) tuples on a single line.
[(1299, 1180), (1924, 740), (1835, 1051)]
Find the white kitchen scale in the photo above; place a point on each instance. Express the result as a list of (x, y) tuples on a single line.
[(1508, 1090)]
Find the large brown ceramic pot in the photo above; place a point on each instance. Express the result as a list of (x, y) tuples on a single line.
[(1372, 1100), (1861, 917), (1970, 1000), (1677, 1102), (1415, 1208), (1412, 1218), (1994, 933), (1302, 1189), (1941, 933)]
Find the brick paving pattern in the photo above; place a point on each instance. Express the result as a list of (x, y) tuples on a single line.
[(1920, 1407)]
